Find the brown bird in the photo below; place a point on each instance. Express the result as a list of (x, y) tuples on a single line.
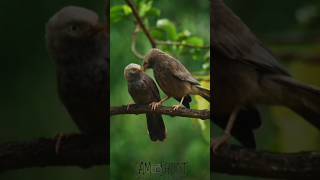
[(143, 90), (246, 73), (173, 78), (77, 42)]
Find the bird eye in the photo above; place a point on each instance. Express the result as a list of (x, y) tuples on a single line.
[(74, 28)]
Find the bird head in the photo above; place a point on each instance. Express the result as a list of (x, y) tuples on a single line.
[(132, 71), (151, 58), (73, 30)]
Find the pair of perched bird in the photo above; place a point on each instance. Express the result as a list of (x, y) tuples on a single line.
[(78, 44), (173, 78)]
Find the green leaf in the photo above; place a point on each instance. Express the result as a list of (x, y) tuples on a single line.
[(195, 41), (144, 8), (206, 66), (117, 13), (127, 10), (184, 35), (167, 26), (153, 12)]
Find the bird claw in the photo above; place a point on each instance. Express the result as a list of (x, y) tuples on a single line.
[(218, 142), (155, 105), (175, 107), (128, 106)]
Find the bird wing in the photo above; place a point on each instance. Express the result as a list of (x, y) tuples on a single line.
[(179, 71), (233, 39), (153, 87)]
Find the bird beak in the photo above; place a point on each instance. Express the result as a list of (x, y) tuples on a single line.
[(144, 67), (100, 28)]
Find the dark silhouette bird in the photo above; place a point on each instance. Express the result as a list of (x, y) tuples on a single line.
[(173, 78), (143, 90), (246, 73), (77, 42)]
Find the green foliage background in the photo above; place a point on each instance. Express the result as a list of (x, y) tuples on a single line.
[(186, 141), (29, 106)]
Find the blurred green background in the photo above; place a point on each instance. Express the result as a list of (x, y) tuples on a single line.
[(291, 28), (186, 141), (29, 104)]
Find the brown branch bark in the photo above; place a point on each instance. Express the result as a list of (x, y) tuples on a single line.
[(141, 109), (235, 160), (75, 150)]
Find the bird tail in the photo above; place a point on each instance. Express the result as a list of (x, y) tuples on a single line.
[(156, 127), (205, 93), (301, 98)]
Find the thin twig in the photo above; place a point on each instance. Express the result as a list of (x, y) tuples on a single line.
[(141, 109), (172, 43), (141, 24), (134, 43)]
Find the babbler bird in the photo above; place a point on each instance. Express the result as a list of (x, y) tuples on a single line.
[(173, 78), (246, 73), (77, 42), (143, 90)]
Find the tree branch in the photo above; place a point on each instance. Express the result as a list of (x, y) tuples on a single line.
[(75, 150), (141, 109), (235, 160), (173, 43), (140, 22)]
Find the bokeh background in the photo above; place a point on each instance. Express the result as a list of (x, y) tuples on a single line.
[(291, 28), (29, 103), (187, 139)]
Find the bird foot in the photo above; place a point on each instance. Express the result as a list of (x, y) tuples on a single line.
[(175, 107), (218, 142), (58, 138), (128, 106), (155, 105)]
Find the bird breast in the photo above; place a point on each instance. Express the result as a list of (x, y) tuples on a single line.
[(140, 92)]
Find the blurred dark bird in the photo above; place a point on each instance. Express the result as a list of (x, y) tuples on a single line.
[(143, 90), (173, 78), (77, 42), (246, 73)]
